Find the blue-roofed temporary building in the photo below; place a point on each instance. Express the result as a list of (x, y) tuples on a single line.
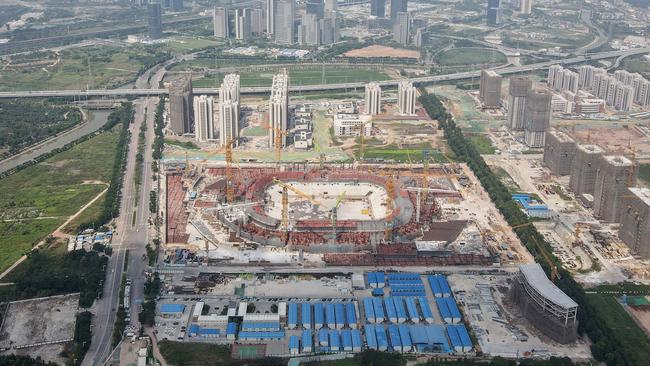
[(403, 277), (465, 340), (356, 340), (292, 317), (406, 290), (378, 305), (346, 340), (369, 310), (372, 279), (260, 326), (231, 330), (306, 315), (323, 337), (294, 345), (382, 338), (319, 316), (391, 314), (399, 309), (196, 331), (453, 310), (172, 309), (393, 335), (381, 279), (405, 337), (335, 340), (351, 314), (427, 314), (330, 317), (443, 309), (454, 339), (339, 312), (434, 285), (378, 292), (371, 338), (259, 336), (436, 338), (412, 310), (307, 343), (418, 335), (444, 286)]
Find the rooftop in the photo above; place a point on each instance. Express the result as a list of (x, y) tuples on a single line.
[(560, 136), (618, 160), (642, 193), (536, 278), (591, 149)]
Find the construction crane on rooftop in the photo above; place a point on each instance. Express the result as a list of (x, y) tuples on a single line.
[(295, 190)]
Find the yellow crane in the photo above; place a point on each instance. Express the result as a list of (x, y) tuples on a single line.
[(362, 140), (277, 139), (285, 213), (295, 190), (390, 190)]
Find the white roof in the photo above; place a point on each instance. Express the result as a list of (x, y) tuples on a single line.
[(261, 317), (642, 193), (618, 160), (591, 149), (536, 278), (198, 309)]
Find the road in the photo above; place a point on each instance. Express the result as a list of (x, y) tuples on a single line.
[(321, 87)]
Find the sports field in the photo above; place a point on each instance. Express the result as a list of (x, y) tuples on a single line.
[(470, 56)]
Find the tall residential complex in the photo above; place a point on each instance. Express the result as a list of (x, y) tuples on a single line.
[(204, 118), (584, 169), (221, 24), (155, 21), (309, 31), (373, 98), (243, 24), (181, 105), (526, 7), (257, 21), (406, 95), (396, 7), (279, 108), (493, 14), (635, 221), (229, 109), (271, 6), (538, 117), (559, 150), (378, 8), (615, 174), (490, 89), (401, 28), (517, 92), (562, 79), (284, 28), (331, 5)]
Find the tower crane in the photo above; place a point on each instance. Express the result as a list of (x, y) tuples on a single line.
[(295, 190)]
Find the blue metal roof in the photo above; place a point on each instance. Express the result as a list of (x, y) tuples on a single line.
[(356, 338), (418, 334), (372, 279), (403, 276), (434, 285), (438, 338), (444, 285), (369, 309), (306, 339), (464, 336), (411, 308), (381, 279), (292, 317), (390, 309), (371, 338), (378, 292), (247, 326), (379, 308), (330, 315), (393, 333), (294, 342), (453, 308), (306, 313), (453, 337), (351, 313), (172, 308), (426, 309), (318, 313), (380, 334), (399, 308), (335, 341), (339, 312), (405, 336), (346, 338), (261, 335), (323, 336), (231, 328), (193, 329), (443, 309)]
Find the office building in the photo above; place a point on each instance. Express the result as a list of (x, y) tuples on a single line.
[(181, 103), (327, 29), (584, 169), (243, 24), (517, 92), (614, 176), (279, 109), (257, 21), (204, 118), (401, 28), (221, 24), (316, 7), (373, 99), (229, 109), (493, 13), (309, 31), (406, 96), (351, 125), (284, 26), (331, 6), (490, 89), (525, 7), (271, 6), (155, 21), (635, 221), (378, 8), (396, 7), (538, 117), (559, 150)]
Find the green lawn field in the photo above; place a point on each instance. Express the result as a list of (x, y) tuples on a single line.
[(470, 56)]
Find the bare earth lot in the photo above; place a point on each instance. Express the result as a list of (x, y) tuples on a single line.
[(382, 51)]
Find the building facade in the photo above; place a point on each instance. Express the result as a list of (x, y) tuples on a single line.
[(204, 128), (155, 21), (221, 24), (402, 28), (181, 102), (559, 151), (517, 93), (284, 26), (538, 117), (584, 169), (635, 221), (378, 8), (490, 89), (229, 109), (614, 176), (279, 109), (406, 96), (373, 99)]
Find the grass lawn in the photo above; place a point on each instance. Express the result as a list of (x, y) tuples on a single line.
[(470, 56), (407, 153), (254, 131), (299, 77), (482, 144), (57, 188), (89, 216), (506, 179), (184, 144), (644, 173), (634, 341), (179, 45), (185, 353)]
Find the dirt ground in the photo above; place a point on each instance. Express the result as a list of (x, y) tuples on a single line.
[(642, 318), (382, 51)]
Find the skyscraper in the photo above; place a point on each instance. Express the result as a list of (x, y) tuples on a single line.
[(229, 109), (243, 24), (204, 118), (517, 93), (584, 169), (271, 6), (279, 108), (155, 21), (538, 117), (327, 30), (284, 27), (397, 6), (331, 5), (221, 24), (406, 97), (493, 15), (378, 8), (526, 7), (635, 221), (373, 98), (401, 28), (615, 174), (316, 7), (490, 89), (257, 21), (180, 105), (309, 32)]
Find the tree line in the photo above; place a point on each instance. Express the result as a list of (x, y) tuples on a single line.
[(605, 346)]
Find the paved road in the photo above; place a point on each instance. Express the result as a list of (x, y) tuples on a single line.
[(320, 87)]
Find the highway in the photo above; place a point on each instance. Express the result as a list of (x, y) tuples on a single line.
[(146, 92)]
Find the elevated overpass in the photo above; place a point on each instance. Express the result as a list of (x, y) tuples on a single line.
[(325, 87)]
